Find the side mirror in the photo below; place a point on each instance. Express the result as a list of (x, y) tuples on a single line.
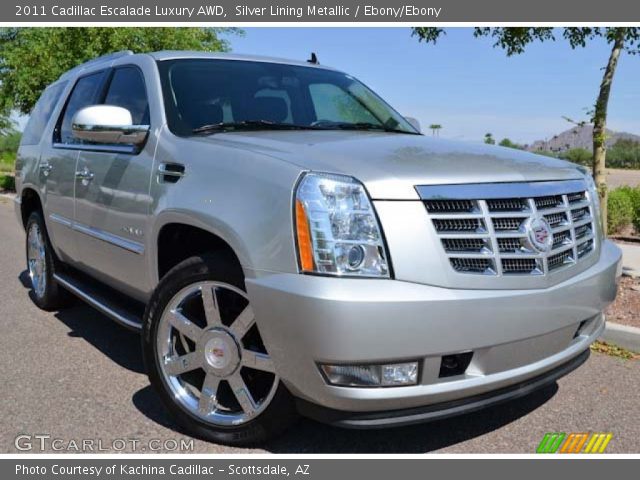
[(414, 123), (107, 124)]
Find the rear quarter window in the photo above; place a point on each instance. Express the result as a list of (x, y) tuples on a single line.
[(41, 114)]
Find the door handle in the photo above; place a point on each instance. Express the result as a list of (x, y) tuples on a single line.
[(45, 168), (85, 175)]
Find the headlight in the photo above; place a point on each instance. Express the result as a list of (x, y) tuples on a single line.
[(336, 228)]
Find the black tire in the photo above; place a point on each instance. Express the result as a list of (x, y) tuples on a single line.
[(52, 296), (280, 414)]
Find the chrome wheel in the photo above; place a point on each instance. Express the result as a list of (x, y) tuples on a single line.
[(37, 260), (212, 357)]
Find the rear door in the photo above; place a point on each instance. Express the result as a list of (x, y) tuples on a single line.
[(112, 194)]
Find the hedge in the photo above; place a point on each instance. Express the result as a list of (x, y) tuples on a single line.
[(623, 209), (7, 182)]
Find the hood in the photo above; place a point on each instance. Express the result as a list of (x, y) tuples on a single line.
[(391, 165)]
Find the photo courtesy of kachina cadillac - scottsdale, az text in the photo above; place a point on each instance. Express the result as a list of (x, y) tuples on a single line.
[(230, 238)]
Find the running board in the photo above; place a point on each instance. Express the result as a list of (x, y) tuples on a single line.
[(113, 305)]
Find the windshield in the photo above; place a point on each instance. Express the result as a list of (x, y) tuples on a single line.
[(259, 95)]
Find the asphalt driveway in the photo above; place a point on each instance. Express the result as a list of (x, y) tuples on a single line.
[(74, 375)]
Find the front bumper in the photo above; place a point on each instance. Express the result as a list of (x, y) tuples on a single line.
[(515, 335)]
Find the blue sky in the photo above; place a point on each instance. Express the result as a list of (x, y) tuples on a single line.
[(462, 82)]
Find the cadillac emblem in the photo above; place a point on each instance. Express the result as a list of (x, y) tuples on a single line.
[(539, 234)]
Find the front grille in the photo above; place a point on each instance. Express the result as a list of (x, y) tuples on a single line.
[(450, 206), (579, 214), (583, 231), (464, 244), (459, 225), (521, 265), (561, 238), (509, 245), (556, 219), (560, 259), (504, 224), (553, 201), (484, 231), (507, 204), (585, 248), (472, 265)]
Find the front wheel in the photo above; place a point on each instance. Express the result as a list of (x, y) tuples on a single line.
[(205, 356)]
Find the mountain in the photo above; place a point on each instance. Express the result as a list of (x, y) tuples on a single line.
[(578, 137)]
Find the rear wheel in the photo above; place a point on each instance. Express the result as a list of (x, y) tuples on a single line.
[(42, 265), (205, 356)]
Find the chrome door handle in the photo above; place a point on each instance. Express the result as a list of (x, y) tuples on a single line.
[(45, 168), (85, 175)]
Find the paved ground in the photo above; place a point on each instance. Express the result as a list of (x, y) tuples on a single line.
[(618, 177), (630, 258), (76, 375)]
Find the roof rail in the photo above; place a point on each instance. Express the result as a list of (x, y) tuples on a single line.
[(102, 59), (108, 56)]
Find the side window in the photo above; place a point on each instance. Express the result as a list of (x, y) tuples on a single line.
[(336, 105), (127, 90), (84, 93), (41, 114)]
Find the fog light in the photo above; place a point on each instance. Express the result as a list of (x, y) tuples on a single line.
[(397, 374)]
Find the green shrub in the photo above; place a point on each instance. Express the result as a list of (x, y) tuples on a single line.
[(620, 210), (634, 196), (7, 182)]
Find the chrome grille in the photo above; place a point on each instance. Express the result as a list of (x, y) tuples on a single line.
[(553, 201), (556, 219), (450, 205), (483, 227), (562, 238), (521, 265), (459, 225), (507, 204), (560, 259), (472, 265), (465, 244), (509, 245), (508, 224)]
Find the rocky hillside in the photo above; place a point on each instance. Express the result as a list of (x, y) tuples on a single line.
[(577, 137)]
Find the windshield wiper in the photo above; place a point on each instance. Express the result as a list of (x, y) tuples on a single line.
[(249, 125), (359, 126)]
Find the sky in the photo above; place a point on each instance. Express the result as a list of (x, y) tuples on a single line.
[(463, 83)]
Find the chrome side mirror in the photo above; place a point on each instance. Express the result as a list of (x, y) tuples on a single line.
[(414, 123), (107, 124)]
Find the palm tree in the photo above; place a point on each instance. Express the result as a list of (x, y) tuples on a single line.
[(488, 138), (435, 129)]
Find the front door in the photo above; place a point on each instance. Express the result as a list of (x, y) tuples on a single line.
[(57, 168), (112, 195)]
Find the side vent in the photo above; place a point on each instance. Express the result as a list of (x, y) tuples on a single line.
[(170, 172)]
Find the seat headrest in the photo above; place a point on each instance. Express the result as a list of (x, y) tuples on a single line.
[(196, 114), (272, 109)]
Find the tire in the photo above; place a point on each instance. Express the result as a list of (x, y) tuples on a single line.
[(217, 350), (42, 265)]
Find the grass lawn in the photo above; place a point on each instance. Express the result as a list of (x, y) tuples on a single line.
[(7, 161)]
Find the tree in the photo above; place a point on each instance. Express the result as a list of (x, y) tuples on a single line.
[(514, 40), (32, 58), (505, 142), (581, 156), (488, 139), (625, 153), (435, 129)]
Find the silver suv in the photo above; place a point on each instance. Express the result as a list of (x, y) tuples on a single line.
[(288, 243)]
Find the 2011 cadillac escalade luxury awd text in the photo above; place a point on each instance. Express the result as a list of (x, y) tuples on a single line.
[(287, 242)]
